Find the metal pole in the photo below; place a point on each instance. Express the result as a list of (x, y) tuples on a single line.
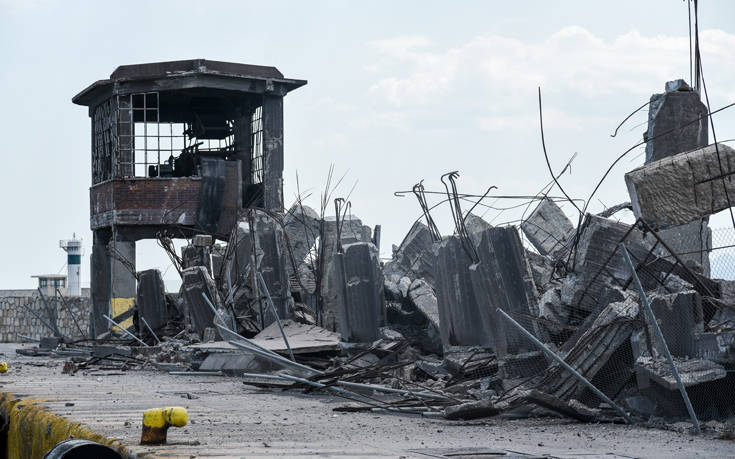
[(566, 366), (388, 390), (275, 358), (68, 309), (216, 313), (275, 313), (150, 329), (660, 337), (125, 331)]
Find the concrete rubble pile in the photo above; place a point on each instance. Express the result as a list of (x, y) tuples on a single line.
[(543, 318)]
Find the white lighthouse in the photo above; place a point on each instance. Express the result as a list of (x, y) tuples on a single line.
[(73, 248)]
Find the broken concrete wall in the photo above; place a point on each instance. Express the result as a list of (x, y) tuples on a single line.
[(549, 229), (683, 188), (359, 284)]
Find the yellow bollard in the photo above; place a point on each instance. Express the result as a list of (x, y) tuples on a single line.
[(156, 422), (3, 367)]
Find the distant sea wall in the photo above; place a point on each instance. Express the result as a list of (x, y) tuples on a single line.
[(15, 318)]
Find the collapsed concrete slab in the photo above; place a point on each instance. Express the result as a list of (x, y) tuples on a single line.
[(549, 229), (359, 284), (683, 188), (591, 352)]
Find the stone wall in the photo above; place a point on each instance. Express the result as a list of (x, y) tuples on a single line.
[(15, 319)]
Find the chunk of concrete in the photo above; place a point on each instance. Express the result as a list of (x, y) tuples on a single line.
[(717, 347), (598, 260), (679, 316), (691, 371), (503, 280), (151, 299), (549, 229), (414, 257), (423, 297), (464, 321), (683, 188), (554, 313), (195, 282), (691, 242), (352, 231), (595, 347), (359, 284), (671, 122)]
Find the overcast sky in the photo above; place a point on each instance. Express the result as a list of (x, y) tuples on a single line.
[(398, 91)]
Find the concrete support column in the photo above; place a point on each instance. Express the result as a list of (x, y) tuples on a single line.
[(113, 280), (273, 152)]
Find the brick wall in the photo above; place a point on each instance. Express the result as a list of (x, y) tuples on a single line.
[(15, 319)]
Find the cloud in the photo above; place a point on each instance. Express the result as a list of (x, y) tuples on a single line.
[(488, 75)]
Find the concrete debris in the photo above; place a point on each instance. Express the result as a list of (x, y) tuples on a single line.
[(682, 188), (681, 116), (549, 230), (198, 288), (359, 282), (151, 299), (414, 258), (691, 371), (474, 324), (610, 330)]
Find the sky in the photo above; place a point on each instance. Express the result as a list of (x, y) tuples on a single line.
[(398, 92)]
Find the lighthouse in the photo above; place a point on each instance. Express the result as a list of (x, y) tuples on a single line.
[(73, 248)]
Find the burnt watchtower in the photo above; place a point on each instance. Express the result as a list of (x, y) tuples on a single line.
[(177, 147)]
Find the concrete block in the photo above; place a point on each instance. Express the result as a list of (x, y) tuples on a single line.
[(549, 229), (151, 298), (682, 188), (359, 284), (674, 111)]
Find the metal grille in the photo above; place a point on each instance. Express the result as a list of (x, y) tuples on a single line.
[(146, 143), (104, 130), (256, 146)]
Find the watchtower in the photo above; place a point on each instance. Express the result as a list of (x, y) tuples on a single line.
[(177, 147)]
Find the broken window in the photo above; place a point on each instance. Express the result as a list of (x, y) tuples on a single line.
[(158, 141), (103, 144), (256, 146)]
